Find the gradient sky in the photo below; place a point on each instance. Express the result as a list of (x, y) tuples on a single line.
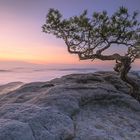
[(21, 38)]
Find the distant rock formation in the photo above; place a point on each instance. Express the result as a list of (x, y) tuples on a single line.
[(94, 106)]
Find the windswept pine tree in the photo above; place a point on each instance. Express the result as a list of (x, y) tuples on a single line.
[(90, 37)]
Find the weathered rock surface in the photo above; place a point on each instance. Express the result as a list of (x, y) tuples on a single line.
[(10, 87), (75, 107)]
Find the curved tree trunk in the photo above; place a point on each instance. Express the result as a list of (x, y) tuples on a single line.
[(123, 67)]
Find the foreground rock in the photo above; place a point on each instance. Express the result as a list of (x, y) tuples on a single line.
[(75, 107)]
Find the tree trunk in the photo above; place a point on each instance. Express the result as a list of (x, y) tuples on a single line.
[(123, 67)]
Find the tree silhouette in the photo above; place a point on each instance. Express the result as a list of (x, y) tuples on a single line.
[(89, 38)]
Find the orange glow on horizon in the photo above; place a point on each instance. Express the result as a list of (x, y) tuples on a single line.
[(22, 40)]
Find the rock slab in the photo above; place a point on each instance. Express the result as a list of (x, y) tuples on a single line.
[(94, 106)]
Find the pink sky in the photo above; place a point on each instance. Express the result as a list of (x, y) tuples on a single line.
[(21, 38)]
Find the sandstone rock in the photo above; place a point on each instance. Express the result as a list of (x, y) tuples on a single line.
[(15, 130), (10, 87), (75, 107)]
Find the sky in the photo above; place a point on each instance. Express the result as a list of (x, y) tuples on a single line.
[(21, 36)]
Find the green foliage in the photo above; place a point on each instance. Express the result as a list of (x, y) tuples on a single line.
[(89, 37)]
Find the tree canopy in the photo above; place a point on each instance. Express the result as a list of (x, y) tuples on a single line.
[(90, 37)]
